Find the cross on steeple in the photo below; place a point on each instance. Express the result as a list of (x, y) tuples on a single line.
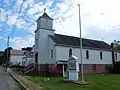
[(44, 10)]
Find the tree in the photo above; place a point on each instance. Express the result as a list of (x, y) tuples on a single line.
[(7, 55), (27, 48), (117, 67), (117, 63), (1, 57), (117, 45)]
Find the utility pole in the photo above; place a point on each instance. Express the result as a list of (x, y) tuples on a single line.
[(7, 52), (82, 75)]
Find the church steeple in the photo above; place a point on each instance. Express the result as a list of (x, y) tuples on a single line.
[(45, 15), (44, 21)]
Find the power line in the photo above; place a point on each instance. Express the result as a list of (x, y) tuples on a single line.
[(19, 11), (11, 34), (18, 16)]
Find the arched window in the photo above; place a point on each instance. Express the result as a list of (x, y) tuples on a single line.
[(51, 53), (70, 52), (36, 57), (101, 55), (116, 56), (87, 54)]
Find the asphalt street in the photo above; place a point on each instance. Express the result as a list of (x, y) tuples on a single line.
[(6, 81)]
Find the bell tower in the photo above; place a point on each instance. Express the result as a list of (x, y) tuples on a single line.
[(42, 41), (44, 21)]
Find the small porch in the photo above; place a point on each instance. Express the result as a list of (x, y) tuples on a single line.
[(64, 67)]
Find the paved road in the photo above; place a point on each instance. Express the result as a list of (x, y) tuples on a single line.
[(6, 81)]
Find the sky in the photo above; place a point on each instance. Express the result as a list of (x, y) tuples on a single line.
[(100, 19)]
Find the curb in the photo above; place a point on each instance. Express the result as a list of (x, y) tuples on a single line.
[(22, 86)]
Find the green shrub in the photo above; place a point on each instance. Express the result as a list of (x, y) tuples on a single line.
[(116, 68)]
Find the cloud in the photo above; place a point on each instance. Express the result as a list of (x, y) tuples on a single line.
[(3, 38), (94, 13), (12, 19), (99, 18), (17, 5), (6, 1), (100, 12), (21, 23), (100, 34), (21, 42), (3, 14)]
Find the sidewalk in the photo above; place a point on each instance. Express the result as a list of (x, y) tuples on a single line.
[(26, 84)]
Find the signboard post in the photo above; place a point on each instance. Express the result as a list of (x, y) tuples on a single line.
[(73, 67)]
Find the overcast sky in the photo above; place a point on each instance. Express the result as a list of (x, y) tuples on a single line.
[(100, 19)]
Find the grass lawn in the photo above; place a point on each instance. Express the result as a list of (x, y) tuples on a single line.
[(17, 69), (96, 82)]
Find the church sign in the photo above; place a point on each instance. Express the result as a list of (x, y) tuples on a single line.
[(72, 63), (73, 67)]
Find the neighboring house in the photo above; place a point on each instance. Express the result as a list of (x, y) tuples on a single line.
[(18, 57), (29, 61), (52, 50), (1, 57), (29, 57)]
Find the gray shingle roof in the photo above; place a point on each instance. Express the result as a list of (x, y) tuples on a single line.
[(45, 16), (74, 41)]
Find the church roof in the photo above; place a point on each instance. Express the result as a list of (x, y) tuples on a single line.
[(75, 41), (45, 15)]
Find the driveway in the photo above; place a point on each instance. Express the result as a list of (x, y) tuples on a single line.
[(6, 81)]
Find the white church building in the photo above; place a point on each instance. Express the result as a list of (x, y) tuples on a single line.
[(52, 51)]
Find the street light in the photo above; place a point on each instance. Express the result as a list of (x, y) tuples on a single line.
[(82, 75)]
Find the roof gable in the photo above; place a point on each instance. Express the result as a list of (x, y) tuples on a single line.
[(45, 15)]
